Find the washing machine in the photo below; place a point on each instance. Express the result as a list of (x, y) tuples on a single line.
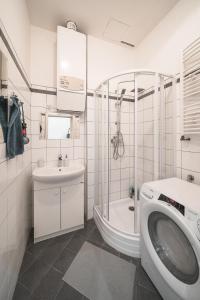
[(170, 237)]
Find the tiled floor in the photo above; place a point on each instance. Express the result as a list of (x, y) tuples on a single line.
[(46, 262)]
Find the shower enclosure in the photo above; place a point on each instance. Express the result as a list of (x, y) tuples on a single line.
[(135, 143)]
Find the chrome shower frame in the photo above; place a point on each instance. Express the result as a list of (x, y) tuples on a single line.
[(102, 190)]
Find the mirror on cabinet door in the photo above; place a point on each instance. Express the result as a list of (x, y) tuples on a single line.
[(59, 126)]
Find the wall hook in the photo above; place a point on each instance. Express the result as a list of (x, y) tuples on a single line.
[(183, 138)]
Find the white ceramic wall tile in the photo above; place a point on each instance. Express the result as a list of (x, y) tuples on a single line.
[(191, 161), (37, 142), (51, 101), (38, 99), (35, 127), (36, 113), (38, 154), (52, 143)]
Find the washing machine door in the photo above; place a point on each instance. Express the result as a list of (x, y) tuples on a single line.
[(172, 245)]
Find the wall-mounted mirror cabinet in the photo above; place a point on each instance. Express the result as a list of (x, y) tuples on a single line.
[(59, 126)]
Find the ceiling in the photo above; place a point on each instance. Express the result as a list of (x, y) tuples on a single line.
[(112, 20)]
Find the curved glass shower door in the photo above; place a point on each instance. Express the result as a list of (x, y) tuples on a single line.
[(132, 131)]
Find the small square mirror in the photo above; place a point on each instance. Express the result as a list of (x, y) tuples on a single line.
[(59, 127)]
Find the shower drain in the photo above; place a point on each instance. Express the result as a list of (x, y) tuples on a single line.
[(131, 208)]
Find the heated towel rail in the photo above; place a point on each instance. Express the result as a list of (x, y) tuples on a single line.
[(191, 88)]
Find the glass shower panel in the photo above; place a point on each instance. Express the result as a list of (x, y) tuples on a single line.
[(134, 141), (101, 150)]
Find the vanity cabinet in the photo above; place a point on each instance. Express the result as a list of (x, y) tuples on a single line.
[(72, 209), (46, 212), (58, 210)]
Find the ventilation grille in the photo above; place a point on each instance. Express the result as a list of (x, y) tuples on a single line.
[(191, 88)]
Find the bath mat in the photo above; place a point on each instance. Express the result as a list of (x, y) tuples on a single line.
[(100, 275)]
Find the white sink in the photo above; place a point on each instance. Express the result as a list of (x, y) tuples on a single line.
[(56, 174)]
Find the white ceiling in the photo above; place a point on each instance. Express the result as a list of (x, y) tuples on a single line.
[(113, 20)]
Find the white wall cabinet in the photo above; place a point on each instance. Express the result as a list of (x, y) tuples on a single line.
[(58, 210), (71, 69)]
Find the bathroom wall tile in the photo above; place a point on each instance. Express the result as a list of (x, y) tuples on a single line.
[(38, 99), (36, 113), (115, 196), (184, 173), (3, 176), (125, 174), (3, 260), (66, 143), (11, 201), (3, 207), (38, 154), (148, 114), (90, 115), (69, 151), (91, 153), (12, 169), (90, 102), (148, 102), (78, 152), (35, 127), (79, 142), (115, 175), (191, 161), (52, 154), (2, 152), (90, 128), (53, 143), (37, 142), (91, 178), (51, 101)]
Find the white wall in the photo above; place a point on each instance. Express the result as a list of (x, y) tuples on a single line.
[(15, 19), (15, 174), (161, 49), (104, 59), (43, 57)]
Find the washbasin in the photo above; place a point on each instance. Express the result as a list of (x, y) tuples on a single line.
[(58, 174)]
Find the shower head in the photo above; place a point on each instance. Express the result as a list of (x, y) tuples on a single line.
[(123, 91)]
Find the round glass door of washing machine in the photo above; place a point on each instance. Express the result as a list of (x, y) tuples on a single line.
[(173, 247)]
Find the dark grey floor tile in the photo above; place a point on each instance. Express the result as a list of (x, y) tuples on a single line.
[(110, 249), (142, 293), (54, 249), (64, 260), (64, 238), (125, 257), (21, 293), (76, 243), (134, 260), (49, 286), (96, 238), (87, 230), (142, 279), (38, 248), (28, 260), (69, 293), (33, 276)]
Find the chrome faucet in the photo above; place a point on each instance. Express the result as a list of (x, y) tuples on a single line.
[(60, 160)]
